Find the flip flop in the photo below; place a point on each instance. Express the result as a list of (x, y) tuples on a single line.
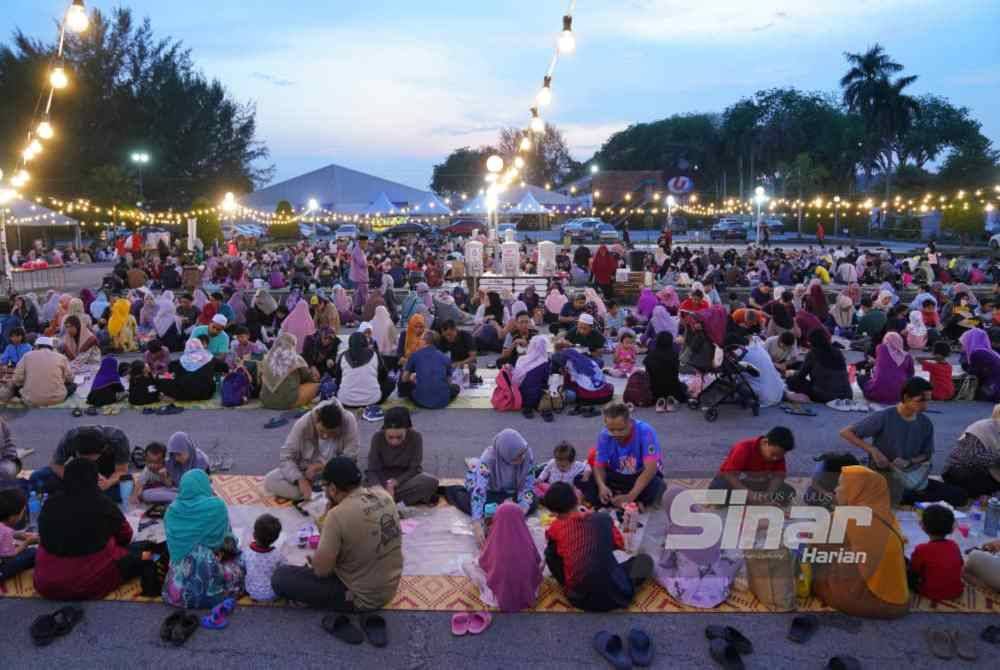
[(798, 410), (740, 642), (91, 411), (588, 412), (640, 648), (276, 422), (167, 627), (149, 410), (991, 634), (965, 647), (214, 620), (725, 654), (375, 630), (843, 663), (479, 621), (341, 628), (940, 644), (672, 405), (459, 624), (548, 417), (661, 405), (66, 618), (612, 649), (43, 630), (77, 412), (169, 410), (803, 628)]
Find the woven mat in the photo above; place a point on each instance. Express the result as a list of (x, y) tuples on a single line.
[(447, 593)]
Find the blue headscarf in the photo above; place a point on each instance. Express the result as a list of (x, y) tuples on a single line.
[(196, 517)]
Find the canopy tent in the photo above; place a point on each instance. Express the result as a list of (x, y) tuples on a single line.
[(380, 206), (430, 206), (476, 206), (528, 205), (21, 212), (548, 199)]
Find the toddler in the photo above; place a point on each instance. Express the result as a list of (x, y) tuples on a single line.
[(263, 558), (141, 385), (563, 467), (153, 485), (157, 357), (615, 318), (16, 349), (625, 354), (936, 566), (940, 370), (16, 552)]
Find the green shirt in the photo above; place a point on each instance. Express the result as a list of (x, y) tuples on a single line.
[(218, 345), (872, 323)]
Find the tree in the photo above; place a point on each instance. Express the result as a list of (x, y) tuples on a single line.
[(462, 171), (285, 229), (802, 176), (937, 126), (130, 90), (973, 163), (548, 161), (109, 185), (209, 226)]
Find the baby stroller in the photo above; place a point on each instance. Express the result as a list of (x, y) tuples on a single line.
[(706, 330)]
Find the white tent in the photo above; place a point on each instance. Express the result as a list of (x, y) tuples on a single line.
[(21, 212), (476, 206), (528, 205), (381, 205), (430, 206)]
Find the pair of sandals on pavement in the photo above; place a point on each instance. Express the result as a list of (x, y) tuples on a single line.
[(46, 628), (727, 645), (947, 644), (639, 654), (474, 623), (166, 410), (373, 628), (844, 405), (110, 410)]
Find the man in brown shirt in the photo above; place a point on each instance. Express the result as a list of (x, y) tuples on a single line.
[(43, 376), (136, 278), (359, 561)]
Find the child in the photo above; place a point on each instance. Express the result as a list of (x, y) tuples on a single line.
[(16, 554), (928, 310), (157, 358), (937, 565), (263, 558), (242, 348), (757, 465), (625, 354), (615, 319), (562, 468), (940, 370), (141, 385), (15, 349), (915, 331), (153, 485), (826, 476)]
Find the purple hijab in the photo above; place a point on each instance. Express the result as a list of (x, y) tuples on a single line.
[(647, 301), (107, 375), (359, 265)]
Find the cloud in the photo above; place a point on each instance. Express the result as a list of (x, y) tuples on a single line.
[(272, 79), (585, 139)]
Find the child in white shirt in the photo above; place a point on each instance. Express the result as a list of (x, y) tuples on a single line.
[(563, 467), (263, 558)]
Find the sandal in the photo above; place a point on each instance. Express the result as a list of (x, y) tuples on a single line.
[(661, 405), (77, 412), (940, 643), (725, 654), (991, 634), (640, 648), (276, 422), (341, 628), (803, 628), (672, 404), (965, 647), (91, 411), (843, 663), (375, 630), (612, 649), (169, 410), (43, 630), (740, 642), (479, 621), (548, 417), (459, 624)]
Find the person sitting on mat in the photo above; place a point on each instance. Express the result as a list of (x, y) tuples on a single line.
[(106, 446), (325, 431), (428, 374), (757, 465), (508, 571), (580, 555), (359, 561), (628, 464), (395, 460)]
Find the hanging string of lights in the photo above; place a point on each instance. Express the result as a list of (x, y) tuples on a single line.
[(40, 130)]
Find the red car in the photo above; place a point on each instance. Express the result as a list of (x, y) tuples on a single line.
[(464, 227)]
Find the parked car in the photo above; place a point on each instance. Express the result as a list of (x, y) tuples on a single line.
[(581, 229), (995, 243), (679, 225), (464, 227), (347, 231), (729, 229), (605, 232)]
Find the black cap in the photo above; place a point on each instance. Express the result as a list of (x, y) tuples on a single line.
[(342, 472)]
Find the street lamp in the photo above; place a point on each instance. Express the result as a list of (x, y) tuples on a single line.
[(6, 196), (836, 213), (311, 206), (594, 169), (141, 159), (671, 201), (760, 197)]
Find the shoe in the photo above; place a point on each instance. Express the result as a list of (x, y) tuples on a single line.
[(965, 647), (725, 654), (77, 412), (169, 410), (276, 422), (375, 630), (373, 413), (148, 410), (588, 412), (548, 417), (459, 624), (803, 628), (672, 404), (731, 635), (991, 634), (339, 626), (612, 649), (91, 411), (940, 643), (640, 648), (479, 621), (843, 663), (528, 413)]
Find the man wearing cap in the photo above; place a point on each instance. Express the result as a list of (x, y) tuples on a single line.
[(359, 560), (583, 334), (218, 340), (43, 376), (324, 432)]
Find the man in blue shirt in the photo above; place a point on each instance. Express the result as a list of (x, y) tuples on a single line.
[(429, 371), (218, 340), (628, 464)]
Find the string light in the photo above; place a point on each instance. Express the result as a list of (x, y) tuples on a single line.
[(76, 17), (567, 41), (58, 78), (544, 97), (537, 125), (45, 130)]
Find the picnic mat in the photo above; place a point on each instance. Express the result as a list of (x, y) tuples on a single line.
[(436, 541)]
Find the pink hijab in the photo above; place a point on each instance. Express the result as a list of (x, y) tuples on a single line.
[(299, 323), (668, 297), (555, 301), (894, 345), (510, 560)]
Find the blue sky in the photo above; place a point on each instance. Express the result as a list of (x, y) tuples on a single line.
[(392, 86)]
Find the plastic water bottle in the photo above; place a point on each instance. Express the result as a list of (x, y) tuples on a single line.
[(125, 491), (991, 526), (34, 509)]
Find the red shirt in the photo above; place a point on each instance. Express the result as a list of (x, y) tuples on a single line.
[(745, 456), (692, 305), (578, 546), (939, 564), (942, 386)]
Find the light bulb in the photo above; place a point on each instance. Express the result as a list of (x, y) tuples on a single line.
[(537, 125), (494, 163), (76, 17), (567, 42), (23, 175), (525, 143), (58, 78), (45, 130), (28, 155), (544, 96), (518, 162), (35, 146)]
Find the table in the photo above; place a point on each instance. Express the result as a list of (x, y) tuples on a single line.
[(22, 279)]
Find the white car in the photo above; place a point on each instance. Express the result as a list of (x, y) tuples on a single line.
[(347, 231), (995, 243)]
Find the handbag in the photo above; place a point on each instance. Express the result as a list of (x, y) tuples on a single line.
[(913, 478)]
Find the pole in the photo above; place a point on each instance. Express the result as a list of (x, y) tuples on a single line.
[(141, 198)]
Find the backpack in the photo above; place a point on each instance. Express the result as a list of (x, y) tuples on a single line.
[(327, 387), (506, 396), (236, 388), (638, 391)]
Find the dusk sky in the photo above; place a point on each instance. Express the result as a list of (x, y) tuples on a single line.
[(391, 87)]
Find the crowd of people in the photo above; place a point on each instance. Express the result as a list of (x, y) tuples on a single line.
[(267, 324)]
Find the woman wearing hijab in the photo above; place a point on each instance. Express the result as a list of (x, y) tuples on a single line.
[(197, 526), (669, 299), (107, 384), (99, 306), (893, 366), (261, 314), (508, 571), (701, 578), (76, 309), (411, 341), (817, 300), (375, 299), (207, 313), (662, 365), (843, 315), (491, 316), (122, 327), (83, 539), (660, 322), (385, 335), (62, 309), (361, 378), (286, 380), (806, 322), (238, 305), (974, 463), (980, 360), (342, 301), (167, 323), (183, 456), (26, 312), (531, 374), (299, 323), (194, 374), (875, 587), (87, 298), (321, 352), (647, 302), (147, 315), (530, 298), (916, 331), (326, 315), (80, 346), (505, 472), (49, 309), (823, 375), (603, 268)]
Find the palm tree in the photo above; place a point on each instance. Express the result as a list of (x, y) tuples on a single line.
[(886, 110)]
